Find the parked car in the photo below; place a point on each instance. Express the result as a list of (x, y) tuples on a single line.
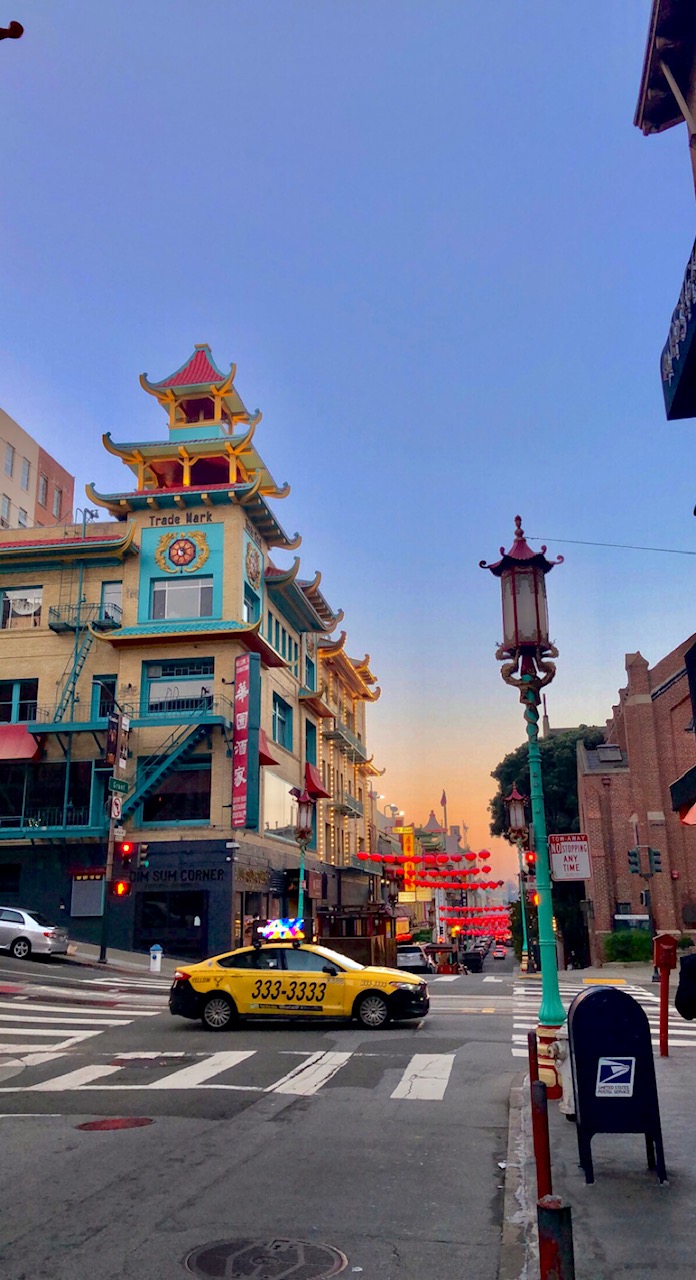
[(413, 958), (24, 932)]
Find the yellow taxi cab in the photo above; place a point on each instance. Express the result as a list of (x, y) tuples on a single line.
[(294, 980)]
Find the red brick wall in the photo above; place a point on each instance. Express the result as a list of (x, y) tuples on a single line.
[(58, 478)]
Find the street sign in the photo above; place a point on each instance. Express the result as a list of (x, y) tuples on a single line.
[(116, 808), (570, 857), (119, 833), (118, 784)]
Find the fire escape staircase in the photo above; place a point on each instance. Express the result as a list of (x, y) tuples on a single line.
[(72, 671), (172, 752)]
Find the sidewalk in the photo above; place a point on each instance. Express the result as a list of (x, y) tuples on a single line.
[(625, 1223), (121, 961)]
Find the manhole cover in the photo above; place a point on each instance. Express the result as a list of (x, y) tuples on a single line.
[(152, 1062), (115, 1122), (265, 1260)]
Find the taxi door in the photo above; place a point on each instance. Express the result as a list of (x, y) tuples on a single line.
[(307, 989), (250, 977)]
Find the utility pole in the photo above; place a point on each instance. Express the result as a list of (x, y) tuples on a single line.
[(116, 746)]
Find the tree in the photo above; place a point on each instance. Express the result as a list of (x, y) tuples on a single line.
[(559, 770)]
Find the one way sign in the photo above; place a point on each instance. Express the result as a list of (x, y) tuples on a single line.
[(615, 1077)]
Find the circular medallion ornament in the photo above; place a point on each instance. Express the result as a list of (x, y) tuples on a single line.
[(182, 552), (253, 567)]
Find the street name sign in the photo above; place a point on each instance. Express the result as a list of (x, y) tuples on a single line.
[(570, 857), (118, 784)]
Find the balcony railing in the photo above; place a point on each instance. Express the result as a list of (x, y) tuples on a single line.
[(72, 617), (345, 803), (179, 711), (346, 741), (81, 713), (39, 817)]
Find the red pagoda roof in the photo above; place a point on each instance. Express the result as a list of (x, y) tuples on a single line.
[(199, 370), (520, 551)]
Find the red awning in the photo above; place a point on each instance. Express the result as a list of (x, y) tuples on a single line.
[(265, 756), (314, 784), (16, 743)]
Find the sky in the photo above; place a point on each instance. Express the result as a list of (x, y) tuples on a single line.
[(444, 262)]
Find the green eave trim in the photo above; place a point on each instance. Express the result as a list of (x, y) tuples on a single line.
[(294, 606)]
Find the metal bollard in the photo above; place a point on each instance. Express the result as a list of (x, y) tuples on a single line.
[(540, 1133), (533, 1047), (556, 1258)]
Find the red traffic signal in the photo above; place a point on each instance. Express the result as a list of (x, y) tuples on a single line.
[(120, 888), (530, 859)]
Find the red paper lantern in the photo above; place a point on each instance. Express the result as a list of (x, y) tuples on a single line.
[(362, 857)]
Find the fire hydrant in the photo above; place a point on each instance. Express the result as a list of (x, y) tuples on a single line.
[(560, 1050)]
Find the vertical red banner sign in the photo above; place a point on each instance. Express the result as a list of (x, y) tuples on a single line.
[(240, 747)]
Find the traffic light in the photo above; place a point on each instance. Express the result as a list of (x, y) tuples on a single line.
[(143, 857), (535, 899), (634, 861), (126, 851), (119, 888), (530, 864), (655, 858)]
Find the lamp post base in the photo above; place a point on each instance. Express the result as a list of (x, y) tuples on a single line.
[(549, 1067), (524, 962)]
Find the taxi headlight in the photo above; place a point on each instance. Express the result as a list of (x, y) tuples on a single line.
[(405, 986)]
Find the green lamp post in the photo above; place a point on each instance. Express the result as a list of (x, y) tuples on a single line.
[(525, 653)]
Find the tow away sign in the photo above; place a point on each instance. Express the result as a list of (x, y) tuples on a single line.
[(570, 857)]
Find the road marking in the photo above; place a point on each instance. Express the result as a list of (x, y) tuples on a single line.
[(426, 1077), (73, 1079), (187, 1077), (445, 977), (29, 1007), (492, 979), (42, 1018), (309, 1077)]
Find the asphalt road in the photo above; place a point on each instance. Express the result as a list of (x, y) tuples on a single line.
[(383, 1145)]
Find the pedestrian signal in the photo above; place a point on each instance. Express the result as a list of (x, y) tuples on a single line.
[(120, 888)]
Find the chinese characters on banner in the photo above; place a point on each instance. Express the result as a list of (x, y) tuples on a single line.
[(408, 846), (240, 748)]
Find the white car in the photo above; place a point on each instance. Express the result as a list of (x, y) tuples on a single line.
[(24, 933)]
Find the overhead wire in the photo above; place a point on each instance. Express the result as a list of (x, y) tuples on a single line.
[(621, 546)]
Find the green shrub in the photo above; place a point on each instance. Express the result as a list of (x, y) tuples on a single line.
[(684, 941), (628, 944)]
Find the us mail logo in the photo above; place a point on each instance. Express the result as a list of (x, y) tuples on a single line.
[(615, 1077)]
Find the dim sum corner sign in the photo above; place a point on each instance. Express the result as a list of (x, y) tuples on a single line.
[(570, 857)]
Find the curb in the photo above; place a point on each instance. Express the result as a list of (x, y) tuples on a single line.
[(518, 1242)]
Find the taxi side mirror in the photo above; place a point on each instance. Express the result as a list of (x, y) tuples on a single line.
[(327, 969)]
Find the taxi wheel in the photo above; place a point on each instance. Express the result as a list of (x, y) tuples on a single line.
[(372, 1012), (219, 1013)]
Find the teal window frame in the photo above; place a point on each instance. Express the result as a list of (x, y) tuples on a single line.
[(205, 581), (193, 764), (310, 742), (310, 674), (269, 627), (16, 700), (252, 605), (105, 604), (179, 671), (282, 722), (99, 686)]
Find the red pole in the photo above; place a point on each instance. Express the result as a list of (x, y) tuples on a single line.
[(556, 1258), (664, 1012), (540, 1134), (533, 1056)]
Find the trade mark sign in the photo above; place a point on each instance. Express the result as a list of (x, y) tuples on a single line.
[(570, 857), (615, 1077)]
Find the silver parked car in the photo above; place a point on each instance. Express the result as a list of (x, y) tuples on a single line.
[(23, 932)]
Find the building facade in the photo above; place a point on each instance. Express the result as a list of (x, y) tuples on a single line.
[(626, 805), (146, 615), (36, 489)]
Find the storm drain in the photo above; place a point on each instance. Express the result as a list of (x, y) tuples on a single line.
[(265, 1260)]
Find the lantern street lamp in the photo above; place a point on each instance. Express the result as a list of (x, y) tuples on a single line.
[(303, 834), (517, 827), (525, 653)]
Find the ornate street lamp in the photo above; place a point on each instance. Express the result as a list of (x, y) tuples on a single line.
[(304, 826), (517, 827), (525, 654)]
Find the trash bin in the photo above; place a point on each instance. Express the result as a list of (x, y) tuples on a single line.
[(155, 958)]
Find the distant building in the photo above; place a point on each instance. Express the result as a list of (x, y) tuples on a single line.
[(625, 803), (36, 489)]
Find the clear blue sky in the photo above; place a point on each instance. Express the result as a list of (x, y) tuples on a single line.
[(444, 262)]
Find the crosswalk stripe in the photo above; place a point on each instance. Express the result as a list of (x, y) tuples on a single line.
[(426, 1076), (309, 1077), (94, 1011), (73, 1079), (48, 1021), (186, 1077), (445, 977)]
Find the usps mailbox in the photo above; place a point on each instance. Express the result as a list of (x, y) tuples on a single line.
[(613, 1073)]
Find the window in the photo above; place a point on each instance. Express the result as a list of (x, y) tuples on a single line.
[(22, 518), (277, 636), (251, 604), (21, 608), (103, 696), (111, 597), (9, 459), (183, 796), (269, 627), (279, 808), (304, 961), (12, 917), (179, 685), (5, 511), (18, 700), (26, 471), (282, 722), (310, 674), (310, 742), (9, 878), (242, 960), (42, 495), (174, 598), (57, 502)]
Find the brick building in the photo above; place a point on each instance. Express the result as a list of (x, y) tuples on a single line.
[(625, 802), (35, 488)]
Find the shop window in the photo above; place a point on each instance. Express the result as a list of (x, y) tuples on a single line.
[(282, 722), (18, 700), (181, 598), (183, 796), (21, 608)]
